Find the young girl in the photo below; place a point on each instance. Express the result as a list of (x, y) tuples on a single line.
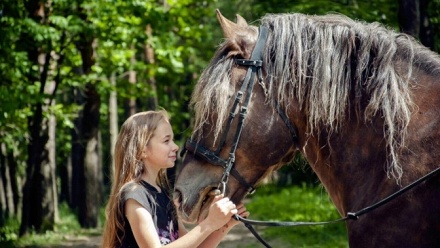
[(139, 211)]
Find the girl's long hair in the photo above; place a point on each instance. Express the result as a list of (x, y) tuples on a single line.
[(133, 137)]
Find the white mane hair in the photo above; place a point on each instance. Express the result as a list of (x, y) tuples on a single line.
[(329, 64)]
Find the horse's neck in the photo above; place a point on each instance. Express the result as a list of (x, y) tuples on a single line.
[(351, 166)]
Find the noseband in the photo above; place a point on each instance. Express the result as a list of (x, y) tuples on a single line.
[(254, 65)]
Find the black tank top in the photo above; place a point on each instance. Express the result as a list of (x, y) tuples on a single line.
[(158, 204)]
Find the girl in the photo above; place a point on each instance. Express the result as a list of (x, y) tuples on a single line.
[(139, 211)]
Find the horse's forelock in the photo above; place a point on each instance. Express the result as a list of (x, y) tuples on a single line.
[(322, 75), (211, 96)]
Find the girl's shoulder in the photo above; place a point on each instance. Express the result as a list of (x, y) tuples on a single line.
[(137, 192), (132, 185)]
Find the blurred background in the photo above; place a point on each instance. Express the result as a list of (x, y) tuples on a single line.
[(71, 71)]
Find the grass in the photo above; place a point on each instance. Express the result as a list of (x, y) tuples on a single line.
[(68, 226), (298, 203)]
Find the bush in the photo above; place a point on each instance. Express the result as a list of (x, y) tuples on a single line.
[(9, 232), (67, 226)]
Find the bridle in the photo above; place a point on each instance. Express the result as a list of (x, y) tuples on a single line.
[(254, 65), (255, 68)]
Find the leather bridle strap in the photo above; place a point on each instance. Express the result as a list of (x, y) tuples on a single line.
[(289, 124), (349, 216), (255, 64), (254, 68), (202, 152)]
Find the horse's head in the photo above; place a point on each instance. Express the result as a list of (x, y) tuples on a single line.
[(222, 144), (363, 99)]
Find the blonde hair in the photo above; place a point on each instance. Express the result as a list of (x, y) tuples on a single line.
[(134, 135)]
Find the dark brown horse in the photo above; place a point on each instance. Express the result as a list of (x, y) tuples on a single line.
[(362, 104)]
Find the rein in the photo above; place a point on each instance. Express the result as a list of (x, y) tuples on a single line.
[(255, 68), (350, 215)]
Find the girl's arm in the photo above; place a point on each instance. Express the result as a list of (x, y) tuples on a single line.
[(144, 231), (141, 223), (216, 237)]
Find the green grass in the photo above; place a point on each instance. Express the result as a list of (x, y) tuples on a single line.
[(298, 203), (68, 226)]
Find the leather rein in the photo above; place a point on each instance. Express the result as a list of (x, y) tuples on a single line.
[(254, 65)]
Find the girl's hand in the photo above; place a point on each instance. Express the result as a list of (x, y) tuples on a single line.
[(242, 212), (220, 212)]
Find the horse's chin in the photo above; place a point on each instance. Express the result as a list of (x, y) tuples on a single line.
[(204, 210), (194, 213)]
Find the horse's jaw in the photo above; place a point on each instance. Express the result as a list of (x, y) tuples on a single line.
[(192, 208)]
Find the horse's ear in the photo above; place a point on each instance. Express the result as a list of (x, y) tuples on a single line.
[(229, 28), (240, 35), (241, 21)]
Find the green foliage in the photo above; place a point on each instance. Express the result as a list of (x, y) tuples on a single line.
[(8, 232), (434, 13), (67, 226), (384, 11), (183, 37), (298, 203)]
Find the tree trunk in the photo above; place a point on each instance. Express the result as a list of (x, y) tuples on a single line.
[(3, 213), (409, 17), (86, 162), (113, 124), (131, 103), (38, 210), (10, 194), (3, 201), (414, 20), (8, 204), (150, 59), (33, 190), (91, 175), (426, 30), (76, 162), (75, 165), (50, 170), (88, 166)]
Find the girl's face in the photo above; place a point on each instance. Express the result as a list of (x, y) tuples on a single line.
[(161, 151)]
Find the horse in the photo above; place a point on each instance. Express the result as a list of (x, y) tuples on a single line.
[(358, 100)]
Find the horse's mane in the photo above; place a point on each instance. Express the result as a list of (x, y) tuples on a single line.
[(332, 59)]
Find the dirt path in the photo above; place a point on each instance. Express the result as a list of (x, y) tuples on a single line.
[(239, 237)]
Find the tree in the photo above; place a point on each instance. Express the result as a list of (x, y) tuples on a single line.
[(65, 66), (38, 190), (414, 20)]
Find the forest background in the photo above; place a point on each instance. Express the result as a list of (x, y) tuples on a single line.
[(71, 71)]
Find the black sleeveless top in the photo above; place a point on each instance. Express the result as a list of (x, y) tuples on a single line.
[(158, 204)]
